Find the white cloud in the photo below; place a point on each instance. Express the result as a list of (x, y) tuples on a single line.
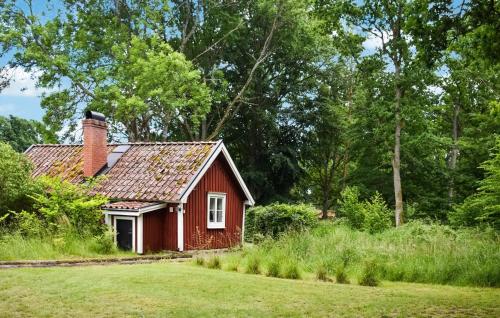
[(22, 83)]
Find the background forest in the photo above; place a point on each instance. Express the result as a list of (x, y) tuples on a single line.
[(312, 98)]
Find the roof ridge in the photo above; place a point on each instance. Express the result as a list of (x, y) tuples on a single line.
[(135, 143)]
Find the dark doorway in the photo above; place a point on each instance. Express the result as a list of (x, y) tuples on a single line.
[(124, 234)]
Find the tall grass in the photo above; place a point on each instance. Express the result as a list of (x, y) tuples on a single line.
[(14, 246), (415, 252)]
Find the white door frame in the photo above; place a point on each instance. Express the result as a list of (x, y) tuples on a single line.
[(132, 218)]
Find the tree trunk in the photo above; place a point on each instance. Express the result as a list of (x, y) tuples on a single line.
[(396, 160), (454, 152)]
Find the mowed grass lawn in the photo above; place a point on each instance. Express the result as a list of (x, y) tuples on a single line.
[(185, 290)]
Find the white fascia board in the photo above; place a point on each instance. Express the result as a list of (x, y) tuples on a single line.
[(134, 212), (120, 212), (152, 208), (238, 176), (219, 148), (201, 172)]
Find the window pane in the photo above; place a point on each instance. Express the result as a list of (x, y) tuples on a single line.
[(212, 203), (211, 216), (219, 216), (219, 203)]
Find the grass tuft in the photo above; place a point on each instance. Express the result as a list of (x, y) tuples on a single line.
[(322, 274), (200, 261), (214, 262), (369, 275), (273, 269), (341, 275), (253, 265), (291, 271)]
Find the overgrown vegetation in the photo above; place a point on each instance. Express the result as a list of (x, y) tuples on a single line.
[(48, 218), (274, 219), (415, 252), (370, 215)]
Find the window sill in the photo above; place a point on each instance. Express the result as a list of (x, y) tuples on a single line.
[(216, 227)]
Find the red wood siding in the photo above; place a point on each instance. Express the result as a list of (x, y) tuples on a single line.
[(218, 178), (153, 231), (160, 230), (170, 228)]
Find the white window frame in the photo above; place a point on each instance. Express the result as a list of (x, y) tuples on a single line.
[(215, 224), (116, 217)]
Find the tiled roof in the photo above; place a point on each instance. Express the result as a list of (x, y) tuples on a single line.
[(65, 161), (129, 205), (145, 172)]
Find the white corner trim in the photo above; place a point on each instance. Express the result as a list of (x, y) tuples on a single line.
[(243, 223), (133, 228), (219, 148), (107, 219), (180, 227), (140, 235)]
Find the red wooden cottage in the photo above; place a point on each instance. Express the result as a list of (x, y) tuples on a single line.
[(163, 196)]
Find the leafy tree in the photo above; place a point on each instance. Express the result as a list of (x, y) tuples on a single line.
[(483, 207), (15, 180), (324, 120), (21, 133)]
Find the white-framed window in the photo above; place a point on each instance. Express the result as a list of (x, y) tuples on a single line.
[(216, 214)]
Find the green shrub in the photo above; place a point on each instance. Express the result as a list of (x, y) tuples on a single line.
[(377, 216), (277, 218), (253, 265), (28, 224), (273, 269), (291, 270), (214, 262), (370, 215), (369, 275), (15, 180), (341, 275), (351, 208), (61, 204), (104, 243)]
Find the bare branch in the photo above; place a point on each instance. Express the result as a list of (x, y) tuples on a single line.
[(235, 103)]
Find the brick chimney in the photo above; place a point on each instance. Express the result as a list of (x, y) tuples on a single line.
[(95, 148)]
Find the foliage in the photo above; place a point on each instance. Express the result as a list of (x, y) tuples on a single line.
[(276, 218), (370, 215), (64, 206), (414, 252), (483, 207), (15, 181), (21, 133)]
